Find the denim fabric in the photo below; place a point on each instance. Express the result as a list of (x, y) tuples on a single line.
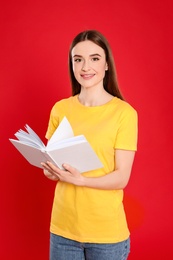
[(65, 249)]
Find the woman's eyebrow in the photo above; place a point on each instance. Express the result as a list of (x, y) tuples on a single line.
[(76, 55), (91, 55), (96, 54)]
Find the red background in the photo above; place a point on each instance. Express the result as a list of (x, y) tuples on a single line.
[(34, 41)]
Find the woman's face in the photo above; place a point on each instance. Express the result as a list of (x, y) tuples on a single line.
[(89, 64)]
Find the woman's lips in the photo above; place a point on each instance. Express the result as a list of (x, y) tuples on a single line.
[(87, 76)]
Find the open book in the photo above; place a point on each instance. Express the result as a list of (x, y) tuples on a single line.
[(63, 147)]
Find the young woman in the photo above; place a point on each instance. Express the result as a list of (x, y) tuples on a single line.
[(88, 219)]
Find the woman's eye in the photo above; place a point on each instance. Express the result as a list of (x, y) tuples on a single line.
[(95, 59), (77, 60)]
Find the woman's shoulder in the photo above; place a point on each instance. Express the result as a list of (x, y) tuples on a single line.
[(124, 106), (64, 101)]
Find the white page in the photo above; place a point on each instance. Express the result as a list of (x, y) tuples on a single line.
[(29, 136), (34, 135), (63, 131), (29, 143), (66, 143)]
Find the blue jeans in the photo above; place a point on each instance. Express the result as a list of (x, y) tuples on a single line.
[(65, 249)]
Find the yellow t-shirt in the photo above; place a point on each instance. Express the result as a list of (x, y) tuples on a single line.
[(86, 214)]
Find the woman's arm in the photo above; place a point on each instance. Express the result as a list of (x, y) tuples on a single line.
[(117, 179)]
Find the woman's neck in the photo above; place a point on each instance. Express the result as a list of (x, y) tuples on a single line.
[(92, 98)]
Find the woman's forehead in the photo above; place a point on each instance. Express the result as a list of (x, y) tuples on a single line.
[(87, 48)]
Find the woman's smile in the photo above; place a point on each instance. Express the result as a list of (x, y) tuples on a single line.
[(87, 76)]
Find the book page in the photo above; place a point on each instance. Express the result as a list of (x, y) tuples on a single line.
[(66, 143), (63, 131), (29, 137), (34, 135)]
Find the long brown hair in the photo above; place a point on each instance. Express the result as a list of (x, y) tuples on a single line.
[(110, 80)]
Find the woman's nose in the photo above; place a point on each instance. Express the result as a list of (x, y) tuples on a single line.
[(85, 66)]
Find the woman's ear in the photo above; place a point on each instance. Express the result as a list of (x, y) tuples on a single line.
[(106, 68)]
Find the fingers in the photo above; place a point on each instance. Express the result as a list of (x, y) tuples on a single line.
[(49, 173), (50, 166), (51, 176), (55, 169), (68, 174), (71, 169)]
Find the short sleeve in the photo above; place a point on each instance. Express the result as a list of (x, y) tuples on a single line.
[(53, 122), (127, 133)]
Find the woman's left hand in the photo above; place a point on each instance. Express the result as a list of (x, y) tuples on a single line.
[(69, 175)]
